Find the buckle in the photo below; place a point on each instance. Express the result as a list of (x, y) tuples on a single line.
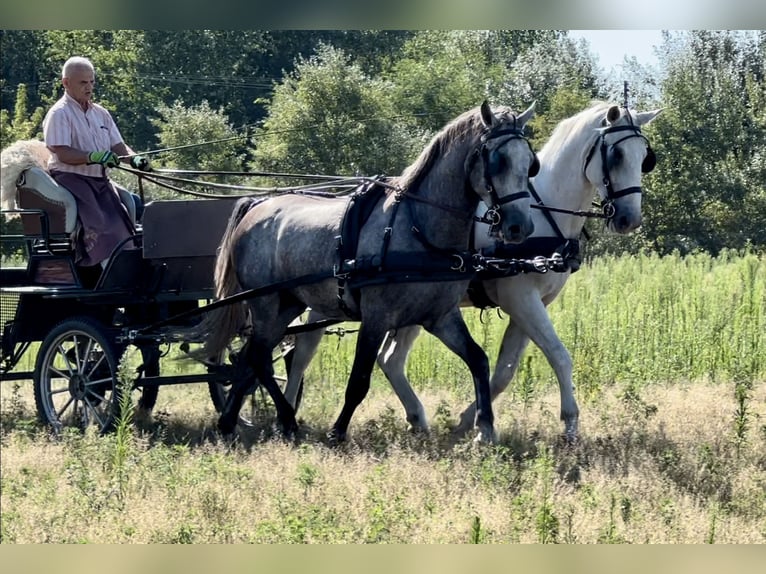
[(460, 263)]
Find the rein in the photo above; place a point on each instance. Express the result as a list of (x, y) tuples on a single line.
[(166, 178)]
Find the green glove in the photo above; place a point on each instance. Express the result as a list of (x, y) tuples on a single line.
[(107, 158), (139, 162)]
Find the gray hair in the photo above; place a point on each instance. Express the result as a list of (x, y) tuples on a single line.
[(76, 62)]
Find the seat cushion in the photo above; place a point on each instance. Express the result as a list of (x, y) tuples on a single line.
[(38, 190)]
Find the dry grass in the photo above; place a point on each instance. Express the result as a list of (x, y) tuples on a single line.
[(661, 466)]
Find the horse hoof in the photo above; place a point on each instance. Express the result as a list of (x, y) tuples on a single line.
[(336, 437), (290, 430), (486, 436), (570, 439), (225, 427)]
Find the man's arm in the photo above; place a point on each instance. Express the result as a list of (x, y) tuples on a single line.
[(70, 155), (123, 150)]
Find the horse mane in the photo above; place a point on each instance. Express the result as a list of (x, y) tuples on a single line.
[(574, 126), (466, 124)]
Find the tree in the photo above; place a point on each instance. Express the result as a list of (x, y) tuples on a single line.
[(23, 62), (328, 117), (548, 65), (441, 74), (23, 124), (198, 138), (708, 189)]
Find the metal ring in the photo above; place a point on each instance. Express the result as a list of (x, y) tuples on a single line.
[(460, 263), (493, 215), (609, 209), (540, 264)]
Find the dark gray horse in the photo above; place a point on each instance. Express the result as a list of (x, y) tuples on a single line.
[(404, 262)]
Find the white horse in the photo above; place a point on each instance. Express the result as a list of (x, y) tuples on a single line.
[(601, 150)]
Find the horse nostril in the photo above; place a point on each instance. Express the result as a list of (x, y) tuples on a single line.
[(515, 230), (622, 222)]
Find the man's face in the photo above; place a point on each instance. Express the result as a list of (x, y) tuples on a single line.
[(80, 83)]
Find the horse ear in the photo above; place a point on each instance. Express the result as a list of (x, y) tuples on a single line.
[(613, 114), (644, 118), (527, 115), (487, 117)]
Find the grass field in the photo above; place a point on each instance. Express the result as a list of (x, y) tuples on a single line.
[(671, 379)]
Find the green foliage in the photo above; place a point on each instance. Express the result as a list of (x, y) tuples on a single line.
[(547, 67), (366, 101), (708, 189), (683, 318), (328, 117), (24, 124), (441, 74), (181, 126)]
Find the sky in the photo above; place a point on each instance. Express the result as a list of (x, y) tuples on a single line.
[(611, 46)]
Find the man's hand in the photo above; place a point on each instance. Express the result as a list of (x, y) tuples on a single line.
[(139, 162), (107, 158)]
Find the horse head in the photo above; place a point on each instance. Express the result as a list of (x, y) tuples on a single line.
[(615, 163), (499, 171)]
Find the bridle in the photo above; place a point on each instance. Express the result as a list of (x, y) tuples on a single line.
[(610, 156), (492, 167)]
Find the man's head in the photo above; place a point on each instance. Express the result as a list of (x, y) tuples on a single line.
[(79, 79)]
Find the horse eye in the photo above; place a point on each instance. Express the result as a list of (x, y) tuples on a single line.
[(498, 163), (614, 157)]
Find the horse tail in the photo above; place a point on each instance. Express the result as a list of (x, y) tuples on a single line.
[(220, 325)]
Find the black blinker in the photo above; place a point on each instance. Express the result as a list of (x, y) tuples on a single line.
[(649, 161), (534, 169)]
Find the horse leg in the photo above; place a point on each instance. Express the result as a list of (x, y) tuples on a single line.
[(529, 318), (511, 349), (264, 371), (254, 364), (151, 367), (453, 332), (367, 345), (306, 345), (392, 359)]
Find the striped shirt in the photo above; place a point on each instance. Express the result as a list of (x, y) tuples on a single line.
[(94, 130)]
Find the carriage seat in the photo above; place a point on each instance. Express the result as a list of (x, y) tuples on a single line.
[(38, 190)]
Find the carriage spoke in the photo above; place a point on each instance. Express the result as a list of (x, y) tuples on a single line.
[(96, 365), (99, 381), (100, 397), (93, 410), (60, 412), (60, 350), (60, 374)]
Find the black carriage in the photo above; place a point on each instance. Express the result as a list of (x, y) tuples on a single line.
[(84, 321)]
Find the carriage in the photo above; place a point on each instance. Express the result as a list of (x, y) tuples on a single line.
[(84, 324)]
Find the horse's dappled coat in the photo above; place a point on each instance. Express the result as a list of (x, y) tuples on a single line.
[(292, 236)]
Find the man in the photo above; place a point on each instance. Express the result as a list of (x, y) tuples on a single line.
[(84, 142)]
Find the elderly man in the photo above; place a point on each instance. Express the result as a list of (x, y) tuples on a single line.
[(84, 142)]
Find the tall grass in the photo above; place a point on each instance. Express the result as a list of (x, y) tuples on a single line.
[(668, 351), (633, 320)]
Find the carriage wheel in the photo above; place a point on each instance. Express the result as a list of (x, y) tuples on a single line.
[(75, 378), (256, 401)]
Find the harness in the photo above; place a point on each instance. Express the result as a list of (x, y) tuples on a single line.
[(353, 273), (435, 264)]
